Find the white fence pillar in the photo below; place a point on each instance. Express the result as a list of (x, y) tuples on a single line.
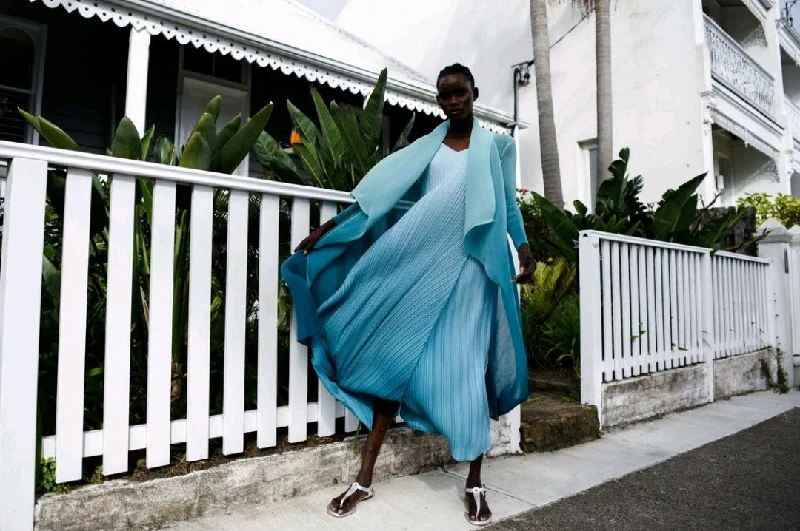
[(20, 305), (136, 89), (794, 273), (591, 331), (775, 246), (708, 340)]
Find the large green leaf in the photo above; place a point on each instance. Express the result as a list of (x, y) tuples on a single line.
[(164, 152), (356, 151), (223, 137), (146, 140), (561, 225), (305, 127), (126, 144), (332, 138), (54, 135), (52, 282), (196, 154), (668, 219), (276, 162), (207, 127), (238, 147), (213, 107), (372, 115), (403, 140), (311, 162)]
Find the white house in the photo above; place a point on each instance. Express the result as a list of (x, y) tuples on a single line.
[(699, 86), (69, 65)]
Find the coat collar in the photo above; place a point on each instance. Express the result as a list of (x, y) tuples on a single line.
[(386, 184)]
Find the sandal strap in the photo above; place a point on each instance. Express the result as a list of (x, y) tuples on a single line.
[(476, 493), (354, 487)]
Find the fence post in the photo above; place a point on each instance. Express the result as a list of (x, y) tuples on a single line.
[(794, 273), (591, 304), (708, 341), (775, 246), (20, 305)]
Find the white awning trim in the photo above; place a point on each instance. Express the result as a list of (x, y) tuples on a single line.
[(747, 136), (410, 93)]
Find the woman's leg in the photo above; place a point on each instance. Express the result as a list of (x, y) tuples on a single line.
[(383, 413), (474, 480)]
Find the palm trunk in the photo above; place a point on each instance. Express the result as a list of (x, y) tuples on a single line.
[(605, 120), (551, 170)]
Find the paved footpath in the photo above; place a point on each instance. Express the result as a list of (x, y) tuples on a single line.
[(754, 478)]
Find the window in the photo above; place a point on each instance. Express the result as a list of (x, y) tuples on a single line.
[(590, 176), (225, 67), (20, 77)]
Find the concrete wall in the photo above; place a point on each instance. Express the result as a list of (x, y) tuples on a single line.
[(638, 399), (742, 374)]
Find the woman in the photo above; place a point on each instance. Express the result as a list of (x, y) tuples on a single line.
[(407, 300)]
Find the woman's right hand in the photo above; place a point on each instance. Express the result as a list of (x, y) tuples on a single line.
[(311, 240)]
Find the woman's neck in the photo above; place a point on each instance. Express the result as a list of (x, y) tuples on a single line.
[(461, 128)]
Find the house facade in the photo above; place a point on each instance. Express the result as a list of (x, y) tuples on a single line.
[(705, 86), (84, 65)]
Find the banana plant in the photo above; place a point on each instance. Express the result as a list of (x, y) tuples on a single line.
[(619, 210), (206, 149), (338, 150)]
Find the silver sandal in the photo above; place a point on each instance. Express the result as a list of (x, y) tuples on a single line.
[(354, 487), (476, 493)]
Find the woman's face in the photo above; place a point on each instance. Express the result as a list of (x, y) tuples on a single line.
[(456, 96)]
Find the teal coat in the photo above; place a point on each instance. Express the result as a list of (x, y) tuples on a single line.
[(385, 193)]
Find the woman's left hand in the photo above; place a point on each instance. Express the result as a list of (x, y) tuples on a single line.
[(527, 265)]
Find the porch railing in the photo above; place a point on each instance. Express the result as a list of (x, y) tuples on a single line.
[(733, 67), (25, 191), (650, 306), (793, 114)]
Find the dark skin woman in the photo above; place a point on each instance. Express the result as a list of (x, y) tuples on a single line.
[(456, 95)]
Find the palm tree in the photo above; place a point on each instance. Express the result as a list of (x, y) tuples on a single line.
[(551, 170), (605, 120), (544, 94)]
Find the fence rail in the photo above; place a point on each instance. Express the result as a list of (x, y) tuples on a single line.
[(649, 306), (20, 288)]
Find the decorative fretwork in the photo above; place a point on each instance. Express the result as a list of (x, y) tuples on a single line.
[(734, 68)]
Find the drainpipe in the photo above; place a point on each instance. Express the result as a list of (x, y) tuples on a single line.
[(522, 78)]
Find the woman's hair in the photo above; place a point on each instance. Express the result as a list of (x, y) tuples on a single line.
[(456, 68)]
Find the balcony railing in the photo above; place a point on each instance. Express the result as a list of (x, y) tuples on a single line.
[(793, 114), (734, 68)]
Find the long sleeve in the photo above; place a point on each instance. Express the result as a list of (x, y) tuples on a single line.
[(516, 227), (346, 213)]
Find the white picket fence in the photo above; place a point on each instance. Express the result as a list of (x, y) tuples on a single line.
[(20, 291), (650, 306)]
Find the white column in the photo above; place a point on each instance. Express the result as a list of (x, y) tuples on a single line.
[(794, 272), (775, 246), (20, 306), (136, 87), (708, 346), (591, 325)]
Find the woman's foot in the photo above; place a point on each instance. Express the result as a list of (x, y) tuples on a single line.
[(345, 504), (478, 512)]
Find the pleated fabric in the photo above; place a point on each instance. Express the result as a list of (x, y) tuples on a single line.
[(412, 321)]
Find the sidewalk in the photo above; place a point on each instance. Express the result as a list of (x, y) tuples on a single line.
[(517, 484)]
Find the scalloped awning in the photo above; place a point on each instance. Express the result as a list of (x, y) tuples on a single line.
[(280, 34)]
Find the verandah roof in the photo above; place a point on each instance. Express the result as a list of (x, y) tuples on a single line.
[(280, 34)]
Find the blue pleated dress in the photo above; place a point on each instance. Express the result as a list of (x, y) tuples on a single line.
[(413, 320)]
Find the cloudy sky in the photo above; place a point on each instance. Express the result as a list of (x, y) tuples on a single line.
[(329, 8)]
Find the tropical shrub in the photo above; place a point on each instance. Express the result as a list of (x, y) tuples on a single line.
[(337, 151), (784, 208), (676, 218)]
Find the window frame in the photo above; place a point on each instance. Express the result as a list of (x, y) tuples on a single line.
[(585, 174), (38, 34)]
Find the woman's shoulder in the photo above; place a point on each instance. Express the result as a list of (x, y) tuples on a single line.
[(503, 142)]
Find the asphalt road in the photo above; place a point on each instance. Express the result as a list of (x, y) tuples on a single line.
[(748, 481)]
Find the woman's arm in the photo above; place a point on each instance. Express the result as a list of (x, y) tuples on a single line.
[(311, 240), (516, 227)]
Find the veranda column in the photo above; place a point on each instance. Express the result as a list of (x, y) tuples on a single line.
[(136, 88), (775, 246)]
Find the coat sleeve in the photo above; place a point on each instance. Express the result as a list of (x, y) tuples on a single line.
[(508, 159)]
